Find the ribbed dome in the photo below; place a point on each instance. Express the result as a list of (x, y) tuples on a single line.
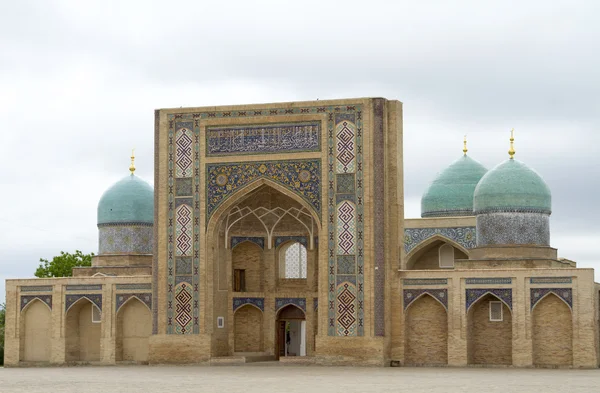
[(512, 187), (130, 200), (451, 193)]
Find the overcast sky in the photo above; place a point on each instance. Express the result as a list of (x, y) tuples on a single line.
[(79, 81)]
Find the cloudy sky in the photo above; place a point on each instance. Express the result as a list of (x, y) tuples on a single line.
[(79, 81)]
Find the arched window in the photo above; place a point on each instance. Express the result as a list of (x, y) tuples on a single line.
[(446, 253), (292, 261)]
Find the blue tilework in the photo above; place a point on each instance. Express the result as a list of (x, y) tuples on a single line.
[(256, 301), (281, 302), (465, 236), (474, 294), (537, 294)]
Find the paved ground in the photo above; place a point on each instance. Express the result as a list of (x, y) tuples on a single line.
[(284, 379)]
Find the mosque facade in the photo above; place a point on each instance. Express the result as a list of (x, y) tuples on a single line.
[(276, 232)]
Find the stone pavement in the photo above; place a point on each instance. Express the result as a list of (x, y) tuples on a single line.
[(283, 379)]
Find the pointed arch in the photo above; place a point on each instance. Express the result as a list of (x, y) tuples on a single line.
[(484, 294), (426, 331), (286, 305), (546, 295), (416, 251), (136, 297), (81, 299), (425, 294), (247, 304), (248, 331), (552, 331), (35, 331), (243, 192), (32, 300)]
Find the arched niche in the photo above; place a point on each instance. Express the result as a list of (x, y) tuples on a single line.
[(134, 327), (36, 332), (552, 332), (426, 332), (248, 329), (82, 332), (489, 332), (429, 254)]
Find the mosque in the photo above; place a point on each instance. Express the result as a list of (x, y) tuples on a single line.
[(276, 232)]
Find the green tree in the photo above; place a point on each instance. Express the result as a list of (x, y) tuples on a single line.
[(62, 265), (2, 321)]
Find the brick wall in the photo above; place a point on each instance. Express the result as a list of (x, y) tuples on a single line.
[(248, 329), (426, 332), (552, 332), (489, 342), (248, 256)]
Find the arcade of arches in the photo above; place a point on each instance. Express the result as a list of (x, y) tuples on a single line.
[(277, 232)]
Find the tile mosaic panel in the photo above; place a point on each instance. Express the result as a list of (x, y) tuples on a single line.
[(474, 294), (410, 295), (125, 239), (183, 187), (346, 226), (281, 302), (26, 299), (465, 236), (36, 288), (183, 230), (379, 218), (303, 177), (488, 280), (92, 287), (134, 287), (121, 298), (346, 264), (346, 299), (259, 241), (279, 240), (183, 266), (263, 138), (183, 308), (551, 280), (241, 301), (538, 294), (183, 151), (425, 281), (95, 298)]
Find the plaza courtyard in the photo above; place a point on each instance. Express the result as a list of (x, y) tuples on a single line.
[(270, 377)]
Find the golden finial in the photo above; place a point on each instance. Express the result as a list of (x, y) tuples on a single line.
[(511, 151), (132, 167), (465, 145)]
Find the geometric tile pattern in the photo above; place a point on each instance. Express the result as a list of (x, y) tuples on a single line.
[(259, 302), (183, 227), (299, 176), (259, 241), (537, 294), (37, 288), (91, 287), (281, 302), (488, 280), (120, 239), (121, 298), (465, 236), (183, 230), (134, 287), (549, 280), (279, 240), (346, 322), (425, 281), (379, 215), (346, 227), (26, 299), (263, 138), (183, 151), (183, 308), (94, 298), (410, 295), (474, 294)]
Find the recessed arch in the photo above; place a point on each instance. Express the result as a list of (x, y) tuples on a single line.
[(489, 341), (413, 255), (286, 305), (426, 331), (82, 334), (248, 331), (552, 332), (136, 297), (134, 326), (80, 300), (242, 194), (247, 304), (35, 331)]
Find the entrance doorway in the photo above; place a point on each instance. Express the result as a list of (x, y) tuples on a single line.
[(291, 332)]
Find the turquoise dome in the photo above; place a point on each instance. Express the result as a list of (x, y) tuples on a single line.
[(451, 193), (512, 187), (128, 201)]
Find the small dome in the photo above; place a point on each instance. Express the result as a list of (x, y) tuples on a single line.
[(451, 193), (512, 187), (130, 200)]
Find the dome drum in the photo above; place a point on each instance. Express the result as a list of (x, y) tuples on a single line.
[(513, 228), (125, 239)]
